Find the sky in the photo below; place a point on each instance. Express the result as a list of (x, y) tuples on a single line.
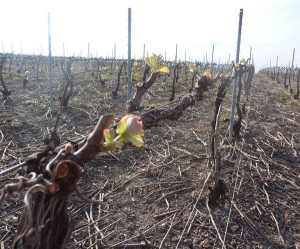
[(270, 27)]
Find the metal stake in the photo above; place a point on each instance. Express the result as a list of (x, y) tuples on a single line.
[(129, 83), (235, 80), (50, 65)]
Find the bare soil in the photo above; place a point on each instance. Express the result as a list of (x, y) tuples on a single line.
[(158, 194)]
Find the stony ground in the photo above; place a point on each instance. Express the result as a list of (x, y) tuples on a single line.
[(157, 194)]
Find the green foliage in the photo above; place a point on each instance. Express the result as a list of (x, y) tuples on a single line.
[(104, 76), (4, 76), (200, 71), (154, 62), (208, 74), (243, 61), (129, 130), (192, 68), (151, 106), (224, 119), (29, 102), (136, 76)]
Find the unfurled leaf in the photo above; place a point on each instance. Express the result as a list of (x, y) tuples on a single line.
[(224, 119), (109, 135), (130, 130), (134, 126), (136, 76), (154, 62), (151, 106), (110, 144), (130, 125), (121, 128), (207, 73), (192, 68), (242, 61), (163, 69), (136, 140)]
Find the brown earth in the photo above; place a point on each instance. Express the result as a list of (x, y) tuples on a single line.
[(157, 194)]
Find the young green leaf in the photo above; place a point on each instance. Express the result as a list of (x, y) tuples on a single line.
[(154, 62), (192, 68), (110, 144), (135, 76), (207, 73), (163, 69), (130, 130)]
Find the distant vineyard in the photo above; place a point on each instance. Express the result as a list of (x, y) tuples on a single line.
[(287, 76)]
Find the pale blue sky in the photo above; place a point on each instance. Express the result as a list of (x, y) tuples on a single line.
[(271, 27)]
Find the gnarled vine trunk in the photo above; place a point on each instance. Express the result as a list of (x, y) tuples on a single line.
[(51, 177)]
